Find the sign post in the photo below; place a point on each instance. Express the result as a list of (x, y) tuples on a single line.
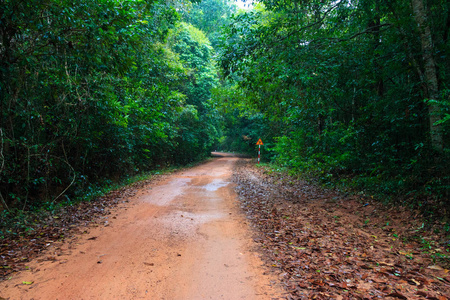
[(259, 143)]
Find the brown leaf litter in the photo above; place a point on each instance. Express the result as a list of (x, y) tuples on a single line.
[(324, 245)]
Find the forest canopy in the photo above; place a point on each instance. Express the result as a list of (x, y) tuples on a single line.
[(354, 94), (92, 91)]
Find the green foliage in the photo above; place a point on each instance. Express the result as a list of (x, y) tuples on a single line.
[(238, 125), (342, 87), (197, 123), (209, 16), (242, 126), (92, 91)]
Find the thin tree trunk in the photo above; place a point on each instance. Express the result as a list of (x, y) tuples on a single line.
[(431, 79)]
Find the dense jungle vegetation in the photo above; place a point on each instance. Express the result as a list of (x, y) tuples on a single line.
[(94, 91), (352, 93)]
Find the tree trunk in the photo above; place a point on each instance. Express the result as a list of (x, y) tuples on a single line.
[(431, 80)]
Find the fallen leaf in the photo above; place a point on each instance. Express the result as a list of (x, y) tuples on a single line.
[(27, 282), (397, 295), (299, 248)]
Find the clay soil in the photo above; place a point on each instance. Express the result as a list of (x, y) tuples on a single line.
[(182, 237), (227, 229)]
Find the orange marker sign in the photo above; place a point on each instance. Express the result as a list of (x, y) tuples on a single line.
[(259, 143)]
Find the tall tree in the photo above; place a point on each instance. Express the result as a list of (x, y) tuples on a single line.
[(431, 78), (199, 120)]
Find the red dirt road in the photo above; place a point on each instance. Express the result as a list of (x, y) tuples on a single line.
[(182, 238)]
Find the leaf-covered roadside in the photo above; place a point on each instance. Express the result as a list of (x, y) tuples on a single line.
[(48, 231), (324, 245)]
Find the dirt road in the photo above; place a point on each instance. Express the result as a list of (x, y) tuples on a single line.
[(183, 238)]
